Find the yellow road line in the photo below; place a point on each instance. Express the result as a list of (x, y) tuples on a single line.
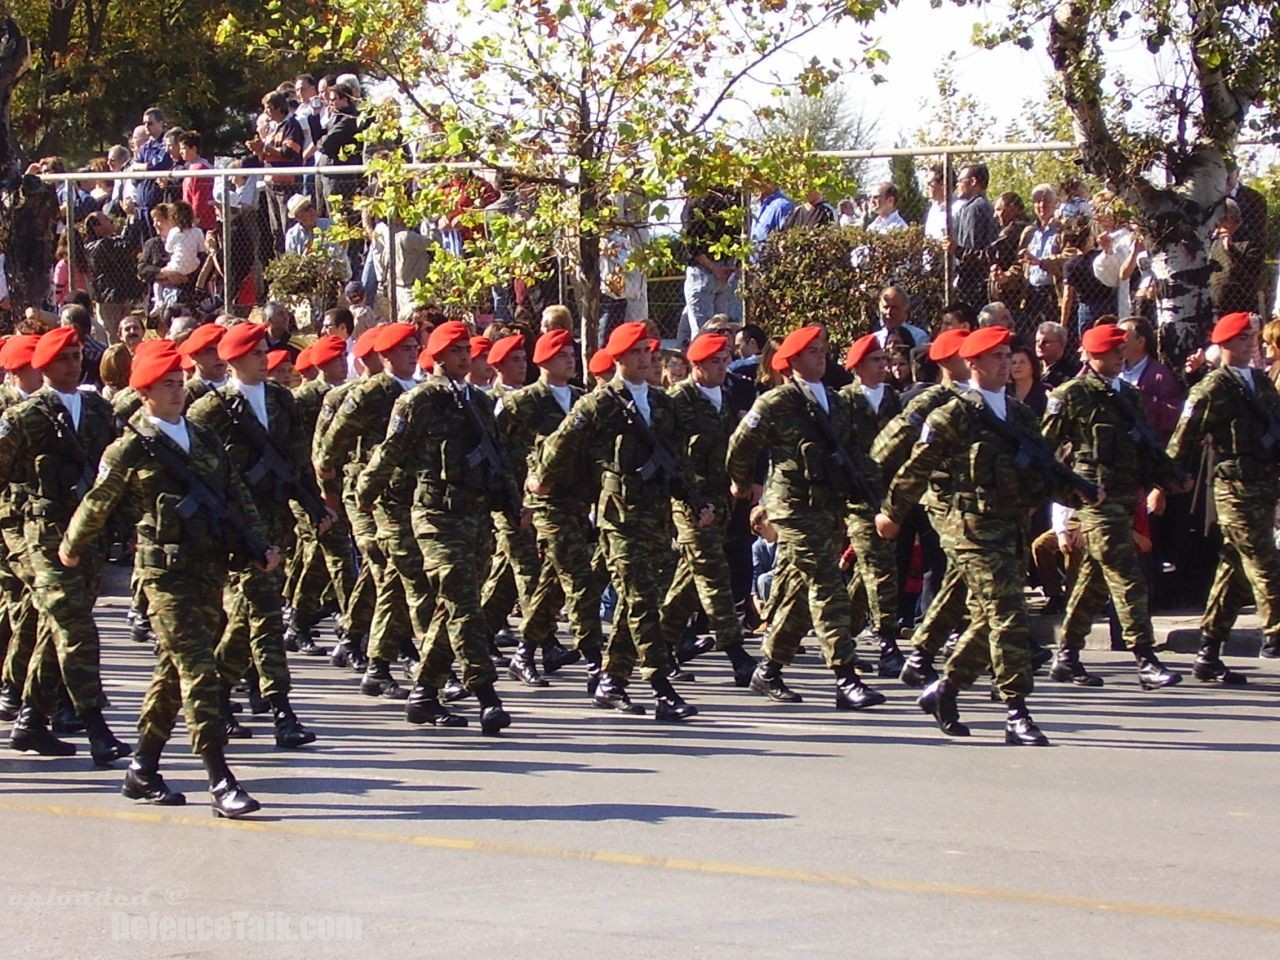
[(783, 874)]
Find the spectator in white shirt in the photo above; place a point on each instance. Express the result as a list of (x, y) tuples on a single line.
[(887, 217)]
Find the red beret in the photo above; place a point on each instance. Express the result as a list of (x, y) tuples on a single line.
[(793, 343), (859, 350), (626, 336), (148, 367), (654, 345), (240, 339), (601, 363), (425, 360), (550, 344), (947, 345), (51, 344), (480, 347), (18, 351), (205, 335), (276, 357), (391, 335), (445, 336), (705, 346), (1230, 326), (2, 343), (326, 349), (982, 340), (366, 343), (503, 348), (1103, 338), (302, 363)]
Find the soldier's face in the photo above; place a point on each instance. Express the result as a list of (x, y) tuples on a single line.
[(811, 362), (164, 398), (63, 372), (403, 358), (712, 371), (874, 369), (561, 368), (514, 368), (1237, 351), (634, 364), (455, 360), (991, 370), (209, 365), (252, 367), (1108, 364)]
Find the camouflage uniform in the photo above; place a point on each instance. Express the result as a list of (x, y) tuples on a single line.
[(253, 596), (18, 582), (181, 566), (873, 589), (990, 497), (525, 420), (37, 444), (807, 500), (1246, 484), (1084, 413)]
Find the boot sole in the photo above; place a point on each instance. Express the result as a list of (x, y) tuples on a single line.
[(227, 815), (630, 709)]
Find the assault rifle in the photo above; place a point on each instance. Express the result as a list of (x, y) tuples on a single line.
[(857, 480), (489, 455), (1031, 450), (1271, 435), (662, 465), (65, 430), (272, 463), (201, 497), (1144, 437)]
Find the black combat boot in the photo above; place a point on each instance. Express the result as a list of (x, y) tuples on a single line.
[(142, 781), (453, 690), (1067, 668), (692, 646), (523, 667), (595, 659), (506, 636), (31, 734), (493, 718), (669, 705), (10, 702), (1152, 674), (104, 747), (744, 665), (495, 655), (290, 733), (231, 727), (1270, 648), (852, 693), (676, 673), (344, 651), (767, 681), (258, 704), (230, 800), (65, 719), (611, 694), (424, 706), (1209, 667), (556, 655), (378, 681), (307, 645), (892, 658), (1019, 729), (1040, 655), (939, 701), (917, 669), (140, 627)]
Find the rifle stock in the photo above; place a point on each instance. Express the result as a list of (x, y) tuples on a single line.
[(1030, 450), (489, 454)]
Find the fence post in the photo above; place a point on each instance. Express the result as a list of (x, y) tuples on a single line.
[(391, 270), (227, 292), (71, 237), (948, 265)]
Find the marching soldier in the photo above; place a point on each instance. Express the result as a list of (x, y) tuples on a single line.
[(628, 428), (257, 423), (1101, 417), (166, 462), (874, 584), (208, 369), (818, 467), (442, 434), (972, 437), (1237, 411), (704, 422), (50, 446)]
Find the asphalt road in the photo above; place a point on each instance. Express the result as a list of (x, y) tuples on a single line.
[(756, 830)]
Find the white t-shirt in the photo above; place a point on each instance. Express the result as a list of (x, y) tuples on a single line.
[(183, 247), (73, 403), (640, 394), (177, 432)]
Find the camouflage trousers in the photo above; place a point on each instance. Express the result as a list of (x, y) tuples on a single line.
[(873, 588), (808, 590), (990, 558), (389, 616), (20, 610), (1249, 563), (323, 565), (452, 547), (516, 573), (1108, 566), (567, 577), (405, 575), (946, 612), (184, 609), (67, 647), (701, 578), (638, 553), (357, 617), (255, 624)]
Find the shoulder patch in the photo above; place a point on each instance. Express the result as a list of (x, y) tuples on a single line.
[(925, 433), (752, 419), (104, 468), (579, 420), (1188, 408), (349, 405), (398, 423), (1053, 405), (6, 425)]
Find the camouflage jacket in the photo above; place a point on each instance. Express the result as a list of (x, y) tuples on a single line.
[(702, 435), (198, 387), (431, 439), (1084, 413), (988, 487), (50, 463), (1217, 410), (893, 444), (525, 418), (802, 474), (867, 422), (597, 430), (166, 539)]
